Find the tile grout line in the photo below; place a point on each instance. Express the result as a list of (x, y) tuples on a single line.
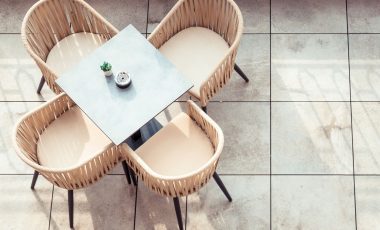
[(147, 20), (352, 133), (51, 206), (134, 217), (270, 114), (186, 214)]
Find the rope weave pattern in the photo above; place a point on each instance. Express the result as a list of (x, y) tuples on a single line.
[(50, 21), (221, 16), (180, 186), (33, 124)]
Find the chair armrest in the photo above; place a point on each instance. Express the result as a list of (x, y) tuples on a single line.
[(209, 126), (219, 77)]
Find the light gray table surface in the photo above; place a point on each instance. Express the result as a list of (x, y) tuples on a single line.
[(119, 113)]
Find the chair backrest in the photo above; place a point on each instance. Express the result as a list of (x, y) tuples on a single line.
[(183, 185), (32, 125), (221, 16), (49, 21)]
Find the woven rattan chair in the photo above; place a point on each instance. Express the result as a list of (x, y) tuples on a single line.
[(181, 157), (59, 33), (60, 142), (201, 38)]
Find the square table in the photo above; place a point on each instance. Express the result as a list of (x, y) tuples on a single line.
[(119, 113)]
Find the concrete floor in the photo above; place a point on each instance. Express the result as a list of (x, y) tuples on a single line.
[(302, 143)]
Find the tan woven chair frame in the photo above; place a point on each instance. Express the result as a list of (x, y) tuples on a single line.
[(49, 21), (221, 16), (185, 184), (33, 124)]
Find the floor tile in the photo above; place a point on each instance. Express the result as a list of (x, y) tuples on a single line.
[(366, 132), (313, 202), (121, 13), (10, 113), (21, 207), (154, 211), (255, 15), (253, 59), (246, 136), (310, 68), (365, 67), (249, 209), (158, 9), (363, 16), (12, 13), (311, 138), (108, 204), (19, 73), (309, 16), (367, 202)]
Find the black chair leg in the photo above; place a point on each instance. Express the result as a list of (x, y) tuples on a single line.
[(178, 212), (133, 176), (126, 171), (241, 73), (221, 186), (71, 207), (34, 180), (204, 108), (42, 82)]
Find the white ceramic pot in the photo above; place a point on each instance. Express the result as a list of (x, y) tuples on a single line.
[(108, 73)]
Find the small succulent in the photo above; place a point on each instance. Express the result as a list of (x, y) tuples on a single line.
[(106, 66)]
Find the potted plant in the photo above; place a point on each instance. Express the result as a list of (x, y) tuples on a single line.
[(107, 69)]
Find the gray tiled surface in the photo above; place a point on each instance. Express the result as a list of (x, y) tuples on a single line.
[(311, 138), (253, 57), (313, 202), (365, 66), (309, 16), (363, 16), (22, 208), (10, 113), (291, 147), (366, 125), (209, 208), (121, 13), (367, 202), (108, 204), (19, 73), (12, 13), (309, 67)]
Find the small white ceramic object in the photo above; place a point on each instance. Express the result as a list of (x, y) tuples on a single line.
[(123, 79)]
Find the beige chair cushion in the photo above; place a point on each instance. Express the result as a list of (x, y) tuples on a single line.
[(70, 140), (72, 49), (196, 52), (179, 148)]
